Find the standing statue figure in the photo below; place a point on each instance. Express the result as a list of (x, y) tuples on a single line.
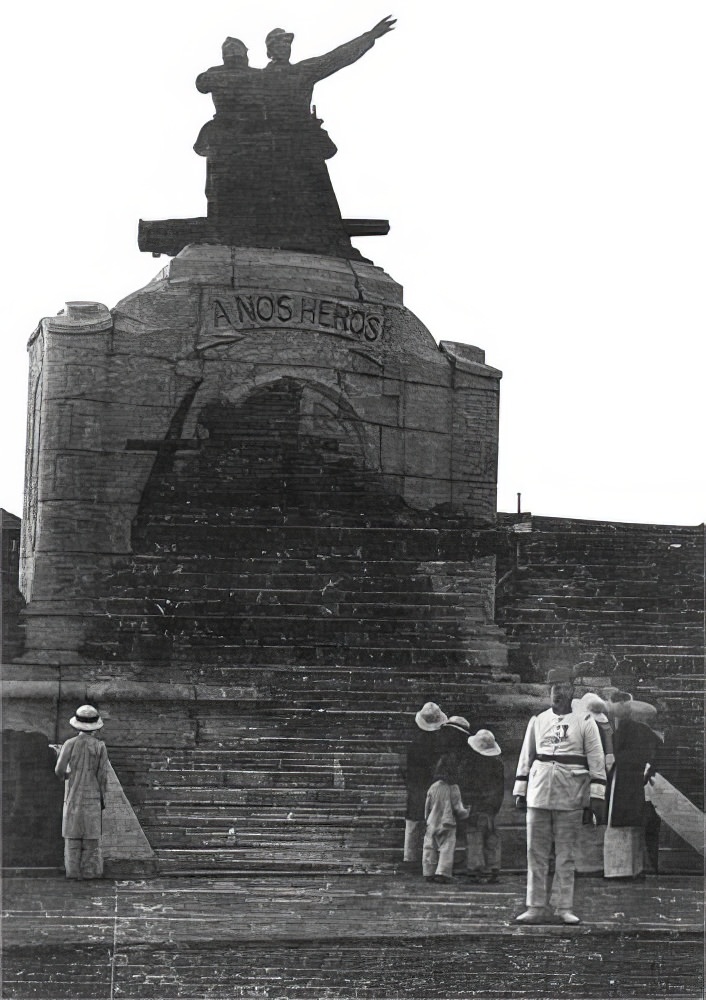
[(267, 180), (233, 141)]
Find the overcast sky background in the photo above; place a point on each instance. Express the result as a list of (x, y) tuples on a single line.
[(541, 163)]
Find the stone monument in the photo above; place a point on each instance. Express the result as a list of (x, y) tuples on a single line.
[(267, 183), (260, 510)]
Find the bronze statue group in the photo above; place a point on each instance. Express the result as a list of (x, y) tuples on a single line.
[(584, 763), (266, 150)]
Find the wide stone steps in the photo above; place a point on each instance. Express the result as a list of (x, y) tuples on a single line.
[(262, 600), (212, 660), (407, 544), (345, 580), (342, 861)]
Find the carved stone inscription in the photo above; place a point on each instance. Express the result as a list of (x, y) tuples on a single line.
[(228, 315)]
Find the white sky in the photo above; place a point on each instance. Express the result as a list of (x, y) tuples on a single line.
[(541, 162)]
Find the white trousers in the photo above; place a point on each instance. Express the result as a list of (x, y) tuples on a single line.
[(438, 852), (560, 829)]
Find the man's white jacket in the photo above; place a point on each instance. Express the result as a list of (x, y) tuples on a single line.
[(561, 765)]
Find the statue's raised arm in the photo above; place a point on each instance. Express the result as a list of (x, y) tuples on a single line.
[(319, 67), (267, 183)]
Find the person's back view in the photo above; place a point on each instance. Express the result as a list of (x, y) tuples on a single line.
[(485, 797), (422, 755), (443, 807), (83, 764)]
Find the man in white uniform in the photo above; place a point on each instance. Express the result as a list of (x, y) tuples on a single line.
[(561, 771)]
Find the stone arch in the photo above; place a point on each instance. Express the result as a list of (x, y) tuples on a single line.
[(283, 445), (300, 440), (313, 384)]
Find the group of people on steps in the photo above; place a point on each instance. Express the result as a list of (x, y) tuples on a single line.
[(455, 782), (584, 763), (572, 754)]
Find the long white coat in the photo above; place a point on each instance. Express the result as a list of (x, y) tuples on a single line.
[(555, 783), (85, 759)]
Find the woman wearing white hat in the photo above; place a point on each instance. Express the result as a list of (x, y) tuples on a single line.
[(83, 764), (637, 751)]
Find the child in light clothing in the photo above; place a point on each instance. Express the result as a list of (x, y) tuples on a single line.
[(442, 808)]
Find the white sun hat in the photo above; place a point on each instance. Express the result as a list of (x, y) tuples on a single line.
[(86, 719), (430, 717), (484, 743)]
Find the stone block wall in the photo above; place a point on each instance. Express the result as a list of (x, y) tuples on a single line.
[(259, 534), (624, 604), (11, 600), (260, 531)]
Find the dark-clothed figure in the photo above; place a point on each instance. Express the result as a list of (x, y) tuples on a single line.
[(485, 797), (267, 183), (561, 771), (83, 764), (302, 195), (637, 751), (442, 808), (422, 756), (234, 141)]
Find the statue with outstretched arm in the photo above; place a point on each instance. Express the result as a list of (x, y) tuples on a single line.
[(266, 150), (303, 200), (279, 48), (289, 86)]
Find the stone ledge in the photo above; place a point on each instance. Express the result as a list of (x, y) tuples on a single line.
[(469, 359)]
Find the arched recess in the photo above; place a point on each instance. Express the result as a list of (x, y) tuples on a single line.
[(285, 445)]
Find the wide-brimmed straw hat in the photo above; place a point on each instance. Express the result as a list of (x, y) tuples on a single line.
[(484, 742), (86, 719), (622, 705), (458, 722), (430, 717)]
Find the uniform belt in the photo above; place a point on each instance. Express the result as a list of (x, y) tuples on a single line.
[(563, 758)]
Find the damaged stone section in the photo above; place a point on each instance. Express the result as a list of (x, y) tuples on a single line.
[(260, 512)]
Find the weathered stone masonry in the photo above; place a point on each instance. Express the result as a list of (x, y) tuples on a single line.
[(259, 532), (624, 603)]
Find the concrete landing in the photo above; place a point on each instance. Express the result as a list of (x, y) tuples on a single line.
[(206, 938)]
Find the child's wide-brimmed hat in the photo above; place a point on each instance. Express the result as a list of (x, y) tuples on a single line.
[(86, 719), (622, 705), (430, 717), (484, 742), (458, 722)]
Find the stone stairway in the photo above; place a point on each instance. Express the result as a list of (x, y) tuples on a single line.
[(305, 650), (626, 601), (316, 937)]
